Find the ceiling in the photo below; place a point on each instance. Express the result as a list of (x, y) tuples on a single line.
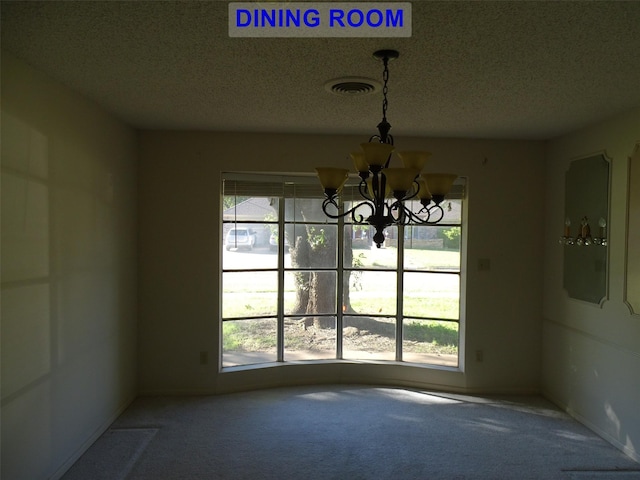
[(502, 69)]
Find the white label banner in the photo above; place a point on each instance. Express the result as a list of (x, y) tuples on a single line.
[(319, 19)]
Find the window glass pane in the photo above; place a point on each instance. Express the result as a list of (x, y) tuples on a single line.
[(432, 248), (361, 252), (248, 341), (360, 237), (309, 292), (305, 210), (295, 232), (249, 294), (249, 246), (312, 246), (240, 209), (451, 210), (434, 295), (370, 293), (430, 341), (367, 338), (274, 239), (310, 338)]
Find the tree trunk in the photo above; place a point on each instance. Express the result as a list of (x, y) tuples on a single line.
[(348, 262), (322, 287), (300, 251), (316, 290)]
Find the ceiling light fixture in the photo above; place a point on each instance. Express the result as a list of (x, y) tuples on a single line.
[(386, 189)]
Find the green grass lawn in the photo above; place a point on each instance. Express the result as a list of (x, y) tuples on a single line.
[(434, 295), (417, 259), (420, 336)]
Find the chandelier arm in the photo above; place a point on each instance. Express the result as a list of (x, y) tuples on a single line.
[(332, 201), (415, 192), (435, 213), (358, 218), (402, 216)]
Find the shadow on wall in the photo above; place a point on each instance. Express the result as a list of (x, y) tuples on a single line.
[(63, 301)]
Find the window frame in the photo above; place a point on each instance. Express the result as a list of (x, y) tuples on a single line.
[(279, 186)]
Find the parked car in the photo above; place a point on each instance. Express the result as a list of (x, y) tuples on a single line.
[(240, 237), (273, 242)]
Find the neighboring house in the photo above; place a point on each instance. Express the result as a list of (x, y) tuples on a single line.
[(245, 213)]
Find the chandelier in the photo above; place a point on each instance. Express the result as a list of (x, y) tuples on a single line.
[(388, 193)]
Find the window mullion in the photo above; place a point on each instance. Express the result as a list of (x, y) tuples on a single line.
[(340, 288), (399, 293), (280, 308)]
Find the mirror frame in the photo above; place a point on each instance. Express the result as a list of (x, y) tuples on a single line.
[(587, 194)]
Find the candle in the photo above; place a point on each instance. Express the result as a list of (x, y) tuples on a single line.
[(603, 227), (586, 229)]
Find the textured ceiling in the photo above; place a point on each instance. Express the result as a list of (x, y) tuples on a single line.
[(471, 69)]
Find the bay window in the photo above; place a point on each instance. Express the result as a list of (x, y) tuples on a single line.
[(298, 286)]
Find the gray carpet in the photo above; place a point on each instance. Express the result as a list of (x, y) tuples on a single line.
[(113, 455), (357, 432)]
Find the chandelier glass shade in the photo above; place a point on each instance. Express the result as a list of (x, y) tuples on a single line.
[(387, 193)]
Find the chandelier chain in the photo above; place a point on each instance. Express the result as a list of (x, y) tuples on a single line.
[(385, 88)]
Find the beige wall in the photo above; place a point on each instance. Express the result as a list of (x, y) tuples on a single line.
[(68, 272), (179, 202), (591, 353)]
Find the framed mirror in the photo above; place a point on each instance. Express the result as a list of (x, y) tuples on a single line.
[(585, 229), (632, 283)]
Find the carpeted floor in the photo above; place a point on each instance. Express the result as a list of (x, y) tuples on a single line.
[(349, 432)]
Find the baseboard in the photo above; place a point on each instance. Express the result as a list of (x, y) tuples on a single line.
[(426, 386), (177, 392), (612, 440), (630, 452), (91, 440)]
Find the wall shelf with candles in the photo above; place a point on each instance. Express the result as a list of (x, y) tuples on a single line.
[(584, 238)]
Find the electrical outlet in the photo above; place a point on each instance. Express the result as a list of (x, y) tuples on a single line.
[(204, 358), (479, 355)]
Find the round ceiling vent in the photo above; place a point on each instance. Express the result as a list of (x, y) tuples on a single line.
[(352, 86)]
